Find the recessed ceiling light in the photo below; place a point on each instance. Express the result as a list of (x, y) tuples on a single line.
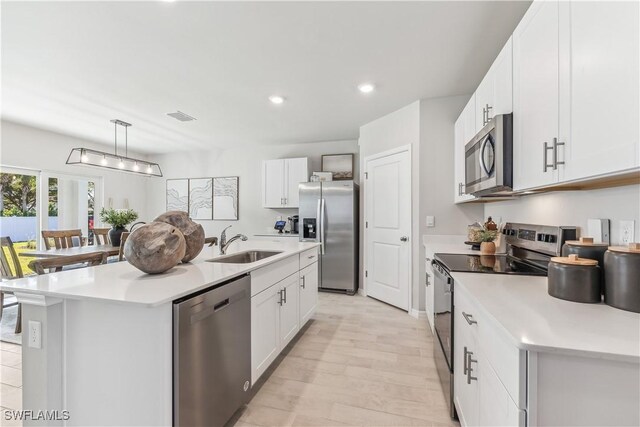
[(276, 99), (366, 87)]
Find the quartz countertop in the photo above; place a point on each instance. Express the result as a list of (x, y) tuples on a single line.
[(536, 321), (276, 234), (123, 283), (446, 244)]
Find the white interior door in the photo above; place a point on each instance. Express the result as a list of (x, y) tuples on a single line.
[(388, 227)]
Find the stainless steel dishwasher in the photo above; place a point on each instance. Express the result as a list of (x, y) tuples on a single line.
[(212, 354)]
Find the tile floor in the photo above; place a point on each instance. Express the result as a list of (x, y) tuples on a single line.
[(359, 362)]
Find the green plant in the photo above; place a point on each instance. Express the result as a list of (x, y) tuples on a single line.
[(487, 235), (118, 218)]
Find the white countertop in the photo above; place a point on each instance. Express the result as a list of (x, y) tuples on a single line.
[(446, 244), (276, 234), (123, 283), (539, 322)]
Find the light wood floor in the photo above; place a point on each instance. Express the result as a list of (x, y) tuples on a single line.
[(359, 362)]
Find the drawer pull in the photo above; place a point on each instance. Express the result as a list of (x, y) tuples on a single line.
[(466, 361), (469, 361), (304, 282), (311, 257), (468, 318)]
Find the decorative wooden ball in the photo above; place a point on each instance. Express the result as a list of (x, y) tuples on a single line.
[(155, 248), (192, 231)]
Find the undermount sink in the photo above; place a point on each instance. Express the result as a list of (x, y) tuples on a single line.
[(246, 257)]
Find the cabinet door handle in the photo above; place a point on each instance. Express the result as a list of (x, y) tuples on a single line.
[(466, 361), (284, 291), (468, 318), (484, 116), (546, 164), (470, 360), (556, 144), (280, 294), (488, 109), (304, 282)]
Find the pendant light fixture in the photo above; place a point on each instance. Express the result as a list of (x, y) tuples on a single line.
[(115, 161)]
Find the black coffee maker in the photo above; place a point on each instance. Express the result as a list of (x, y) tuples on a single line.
[(293, 224)]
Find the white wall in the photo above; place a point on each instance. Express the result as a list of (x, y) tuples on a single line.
[(247, 164), (30, 148), (397, 129), (573, 208)]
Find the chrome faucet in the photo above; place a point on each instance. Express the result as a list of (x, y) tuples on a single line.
[(224, 243)]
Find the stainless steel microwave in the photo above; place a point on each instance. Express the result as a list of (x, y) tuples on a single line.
[(489, 158)]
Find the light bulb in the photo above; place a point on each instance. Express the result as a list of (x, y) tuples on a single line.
[(84, 158), (104, 161), (121, 164), (136, 167), (149, 169)]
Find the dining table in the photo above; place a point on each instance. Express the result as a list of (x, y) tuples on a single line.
[(108, 248)]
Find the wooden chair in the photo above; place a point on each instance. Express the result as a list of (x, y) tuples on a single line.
[(41, 265), (123, 238), (62, 238), (101, 236), (212, 241), (10, 269)]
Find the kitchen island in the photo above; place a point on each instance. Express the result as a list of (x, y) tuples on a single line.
[(104, 351)]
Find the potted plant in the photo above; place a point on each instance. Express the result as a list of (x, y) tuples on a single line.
[(118, 219), (486, 237)]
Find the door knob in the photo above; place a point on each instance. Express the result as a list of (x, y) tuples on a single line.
[(404, 239)]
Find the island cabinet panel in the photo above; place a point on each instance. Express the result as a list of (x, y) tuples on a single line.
[(308, 292), (496, 408), (281, 308), (265, 330)]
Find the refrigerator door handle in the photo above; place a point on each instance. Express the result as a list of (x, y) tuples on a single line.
[(321, 225)]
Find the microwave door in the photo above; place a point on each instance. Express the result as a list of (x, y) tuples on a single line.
[(480, 165)]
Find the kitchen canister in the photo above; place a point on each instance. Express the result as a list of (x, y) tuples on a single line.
[(587, 248), (575, 279), (622, 277)]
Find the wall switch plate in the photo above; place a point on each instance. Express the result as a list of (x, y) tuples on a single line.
[(627, 231), (431, 221), (35, 334), (599, 230)]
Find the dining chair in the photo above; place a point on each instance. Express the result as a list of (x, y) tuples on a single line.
[(212, 241), (10, 269), (123, 238), (101, 236), (62, 238), (41, 265)]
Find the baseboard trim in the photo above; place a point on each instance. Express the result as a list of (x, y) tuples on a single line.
[(418, 314)]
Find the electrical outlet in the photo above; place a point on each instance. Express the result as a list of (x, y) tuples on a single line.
[(431, 221), (627, 229), (35, 334)]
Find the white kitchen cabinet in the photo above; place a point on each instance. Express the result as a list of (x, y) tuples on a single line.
[(464, 130), (494, 95), (265, 330), (535, 96), (289, 309), (308, 292), (465, 354), (599, 80), (280, 179), (495, 406), (429, 294)]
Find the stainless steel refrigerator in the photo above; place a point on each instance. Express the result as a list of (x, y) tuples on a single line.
[(329, 215)]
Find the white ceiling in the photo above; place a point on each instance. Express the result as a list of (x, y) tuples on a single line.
[(70, 67)]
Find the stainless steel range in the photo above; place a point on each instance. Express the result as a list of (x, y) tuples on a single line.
[(529, 249)]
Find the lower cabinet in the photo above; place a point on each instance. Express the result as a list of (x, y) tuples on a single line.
[(279, 311)]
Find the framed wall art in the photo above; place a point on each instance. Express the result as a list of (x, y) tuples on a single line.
[(225, 198), (178, 195), (201, 198), (340, 165)]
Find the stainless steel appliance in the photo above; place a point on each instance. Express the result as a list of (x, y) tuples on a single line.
[(529, 250), (212, 354), (293, 223), (489, 159), (329, 215)]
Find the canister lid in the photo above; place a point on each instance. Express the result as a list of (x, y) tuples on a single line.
[(585, 241), (573, 259), (632, 248)]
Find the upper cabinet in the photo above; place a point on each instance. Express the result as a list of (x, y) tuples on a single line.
[(494, 95), (280, 179), (575, 92), (464, 130), (599, 87), (535, 97)]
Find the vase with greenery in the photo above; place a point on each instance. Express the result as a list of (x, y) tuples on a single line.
[(486, 237), (118, 219)]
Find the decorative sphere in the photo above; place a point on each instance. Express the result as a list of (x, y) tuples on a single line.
[(155, 247), (192, 231)]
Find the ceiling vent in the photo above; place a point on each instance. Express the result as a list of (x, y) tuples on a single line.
[(179, 115)]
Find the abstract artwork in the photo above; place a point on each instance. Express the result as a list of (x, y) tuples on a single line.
[(178, 195), (341, 165), (201, 198), (225, 198)]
